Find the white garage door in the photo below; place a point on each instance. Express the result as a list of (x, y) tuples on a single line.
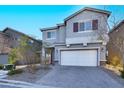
[(79, 58)]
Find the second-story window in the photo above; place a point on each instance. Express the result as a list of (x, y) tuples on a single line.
[(51, 35), (88, 25), (85, 26)]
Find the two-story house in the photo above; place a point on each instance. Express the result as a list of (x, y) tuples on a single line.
[(14, 38), (75, 42)]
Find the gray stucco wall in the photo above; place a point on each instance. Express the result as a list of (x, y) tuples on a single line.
[(3, 58), (61, 34), (84, 16), (45, 39)]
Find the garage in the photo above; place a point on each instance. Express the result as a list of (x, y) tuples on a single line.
[(79, 57)]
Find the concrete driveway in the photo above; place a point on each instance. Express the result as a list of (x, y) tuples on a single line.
[(78, 77)]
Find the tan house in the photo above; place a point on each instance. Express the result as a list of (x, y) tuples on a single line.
[(14, 36)]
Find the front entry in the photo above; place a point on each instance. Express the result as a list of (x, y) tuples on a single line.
[(49, 55)]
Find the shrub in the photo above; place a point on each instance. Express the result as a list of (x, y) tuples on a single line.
[(13, 56), (9, 67), (13, 72), (1, 66)]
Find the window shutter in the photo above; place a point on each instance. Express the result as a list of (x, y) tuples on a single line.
[(95, 24), (75, 27)]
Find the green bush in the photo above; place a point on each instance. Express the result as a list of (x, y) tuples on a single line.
[(9, 67), (13, 72), (1, 66)]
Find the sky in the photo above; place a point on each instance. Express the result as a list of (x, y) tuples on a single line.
[(30, 18)]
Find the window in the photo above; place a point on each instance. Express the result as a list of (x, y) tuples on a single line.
[(88, 25), (81, 26), (18, 39), (51, 35), (30, 42), (85, 26)]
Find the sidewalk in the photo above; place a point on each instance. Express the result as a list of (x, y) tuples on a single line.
[(20, 84)]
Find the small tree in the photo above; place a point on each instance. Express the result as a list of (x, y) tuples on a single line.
[(24, 49), (13, 56), (24, 52)]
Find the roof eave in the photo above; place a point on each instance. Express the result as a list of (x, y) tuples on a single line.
[(20, 33), (89, 9), (49, 28)]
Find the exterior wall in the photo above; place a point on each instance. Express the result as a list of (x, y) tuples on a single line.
[(87, 36), (114, 54), (45, 39), (102, 50), (3, 58), (65, 34), (15, 36), (61, 34)]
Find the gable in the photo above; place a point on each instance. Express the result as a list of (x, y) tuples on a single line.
[(87, 15), (107, 13)]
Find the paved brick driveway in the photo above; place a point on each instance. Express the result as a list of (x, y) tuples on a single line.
[(78, 77)]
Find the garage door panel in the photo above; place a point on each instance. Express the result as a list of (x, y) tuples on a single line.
[(79, 58)]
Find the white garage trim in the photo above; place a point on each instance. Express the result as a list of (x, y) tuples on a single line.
[(86, 48)]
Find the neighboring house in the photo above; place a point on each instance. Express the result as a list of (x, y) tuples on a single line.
[(15, 36), (76, 42), (116, 45), (4, 43), (4, 47)]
